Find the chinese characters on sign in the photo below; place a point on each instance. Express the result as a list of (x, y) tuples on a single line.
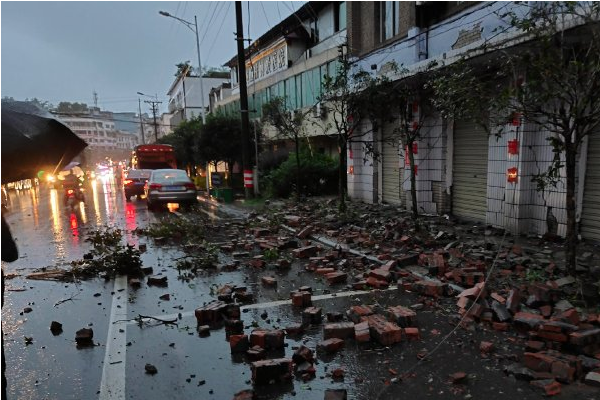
[(266, 63)]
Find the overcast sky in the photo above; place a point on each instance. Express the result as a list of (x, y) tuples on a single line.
[(64, 51)]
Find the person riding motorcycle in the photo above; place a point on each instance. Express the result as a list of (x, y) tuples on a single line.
[(71, 182)]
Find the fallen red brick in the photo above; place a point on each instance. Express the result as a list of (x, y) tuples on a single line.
[(402, 316), (301, 299), (361, 332), (336, 277), (239, 343), (330, 345), (548, 386), (269, 281), (266, 371), (486, 347), (412, 333), (340, 330), (385, 332)]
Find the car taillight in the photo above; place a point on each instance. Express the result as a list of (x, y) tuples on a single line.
[(190, 186), (127, 182), (155, 186)]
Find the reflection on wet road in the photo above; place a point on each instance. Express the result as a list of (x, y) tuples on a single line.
[(49, 234)]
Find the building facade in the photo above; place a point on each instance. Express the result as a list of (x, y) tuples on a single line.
[(98, 129), (461, 170), (290, 61)]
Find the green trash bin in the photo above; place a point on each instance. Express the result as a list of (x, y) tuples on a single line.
[(226, 194)]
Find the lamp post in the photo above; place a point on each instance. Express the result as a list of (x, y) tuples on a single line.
[(141, 123), (194, 28)]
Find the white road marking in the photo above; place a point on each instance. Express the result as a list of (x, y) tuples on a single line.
[(112, 385), (278, 303)]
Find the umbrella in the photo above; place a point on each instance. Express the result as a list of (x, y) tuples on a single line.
[(33, 139), (71, 165), (75, 170)]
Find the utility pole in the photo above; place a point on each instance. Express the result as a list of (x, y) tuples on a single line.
[(154, 107), (141, 123), (241, 60)]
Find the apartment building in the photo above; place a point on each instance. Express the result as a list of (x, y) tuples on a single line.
[(290, 61)]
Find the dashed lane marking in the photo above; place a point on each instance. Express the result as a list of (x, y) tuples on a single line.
[(112, 385), (277, 303)]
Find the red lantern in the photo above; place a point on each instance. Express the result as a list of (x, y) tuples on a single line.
[(513, 147), (512, 175)]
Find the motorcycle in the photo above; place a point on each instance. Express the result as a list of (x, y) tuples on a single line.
[(73, 196)]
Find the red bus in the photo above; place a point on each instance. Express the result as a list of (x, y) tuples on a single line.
[(153, 156)]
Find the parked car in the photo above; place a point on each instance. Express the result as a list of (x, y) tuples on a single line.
[(134, 182), (169, 186)]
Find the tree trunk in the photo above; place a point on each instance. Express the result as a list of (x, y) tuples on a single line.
[(571, 238), (342, 145), (413, 180)]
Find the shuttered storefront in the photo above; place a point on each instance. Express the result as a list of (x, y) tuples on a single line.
[(391, 172), (469, 175), (590, 213)]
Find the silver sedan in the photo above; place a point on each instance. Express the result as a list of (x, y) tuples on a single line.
[(169, 186)]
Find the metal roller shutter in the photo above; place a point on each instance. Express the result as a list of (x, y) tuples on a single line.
[(469, 175), (391, 174), (590, 214)]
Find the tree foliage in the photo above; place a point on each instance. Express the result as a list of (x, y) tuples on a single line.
[(183, 139), (220, 140), (350, 97), (66, 107)]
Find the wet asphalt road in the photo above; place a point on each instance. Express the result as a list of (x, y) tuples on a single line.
[(190, 366)]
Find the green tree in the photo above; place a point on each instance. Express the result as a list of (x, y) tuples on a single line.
[(183, 139), (65, 107), (183, 68), (220, 140), (552, 82)]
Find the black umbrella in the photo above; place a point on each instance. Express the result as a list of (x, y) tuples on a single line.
[(33, 139)]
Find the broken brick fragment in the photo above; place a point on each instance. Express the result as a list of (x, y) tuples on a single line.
[(301, 299), (157, 281), (212, 313), (381, 274), (256, 353), (376, 283), (385, 332), (312, 316), (330, 345), (267, 371), (458, 377), (303, 354), (336, 277), (412, 333), (340, 330), (361, 332), (402, 316), (84, 337), (305, 252), (239, 343), (356, 313), (429, 288), (549, 387)]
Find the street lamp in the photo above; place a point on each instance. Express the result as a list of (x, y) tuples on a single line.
[(194, 28)]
